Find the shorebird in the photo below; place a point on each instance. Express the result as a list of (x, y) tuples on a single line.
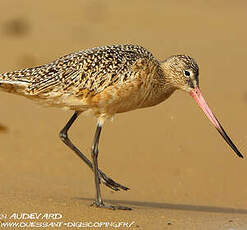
[(108, 80)]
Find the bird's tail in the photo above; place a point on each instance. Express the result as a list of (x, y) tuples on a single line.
[(13, 82)]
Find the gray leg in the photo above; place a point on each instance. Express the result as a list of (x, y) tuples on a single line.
[(64, 137), (94, 153), (95, 150)]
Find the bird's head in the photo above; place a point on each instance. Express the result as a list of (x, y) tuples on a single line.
[(181, 72)]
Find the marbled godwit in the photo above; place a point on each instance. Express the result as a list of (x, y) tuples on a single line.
[(108, 80)]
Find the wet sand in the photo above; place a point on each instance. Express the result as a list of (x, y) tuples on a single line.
[(181, 174)]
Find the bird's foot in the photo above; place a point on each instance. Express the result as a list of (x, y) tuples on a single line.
[(101, 204), (111, 183)]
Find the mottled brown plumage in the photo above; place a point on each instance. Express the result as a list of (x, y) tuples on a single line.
[(108, 80)]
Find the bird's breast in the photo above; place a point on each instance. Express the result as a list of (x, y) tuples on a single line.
[(118, 98), (126, 97)]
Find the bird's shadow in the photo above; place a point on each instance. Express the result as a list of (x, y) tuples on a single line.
[(183, 207)]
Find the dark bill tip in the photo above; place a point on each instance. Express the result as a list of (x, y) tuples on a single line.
[(229, 141)]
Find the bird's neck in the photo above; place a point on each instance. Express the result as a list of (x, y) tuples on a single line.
[(161, 89)]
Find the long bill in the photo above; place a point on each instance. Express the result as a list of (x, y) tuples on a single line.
[(196, 94)]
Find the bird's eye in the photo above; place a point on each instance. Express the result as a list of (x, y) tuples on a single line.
[(187, 73)]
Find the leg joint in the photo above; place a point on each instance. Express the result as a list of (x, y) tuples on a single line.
[(94, 151), (63, 135)]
